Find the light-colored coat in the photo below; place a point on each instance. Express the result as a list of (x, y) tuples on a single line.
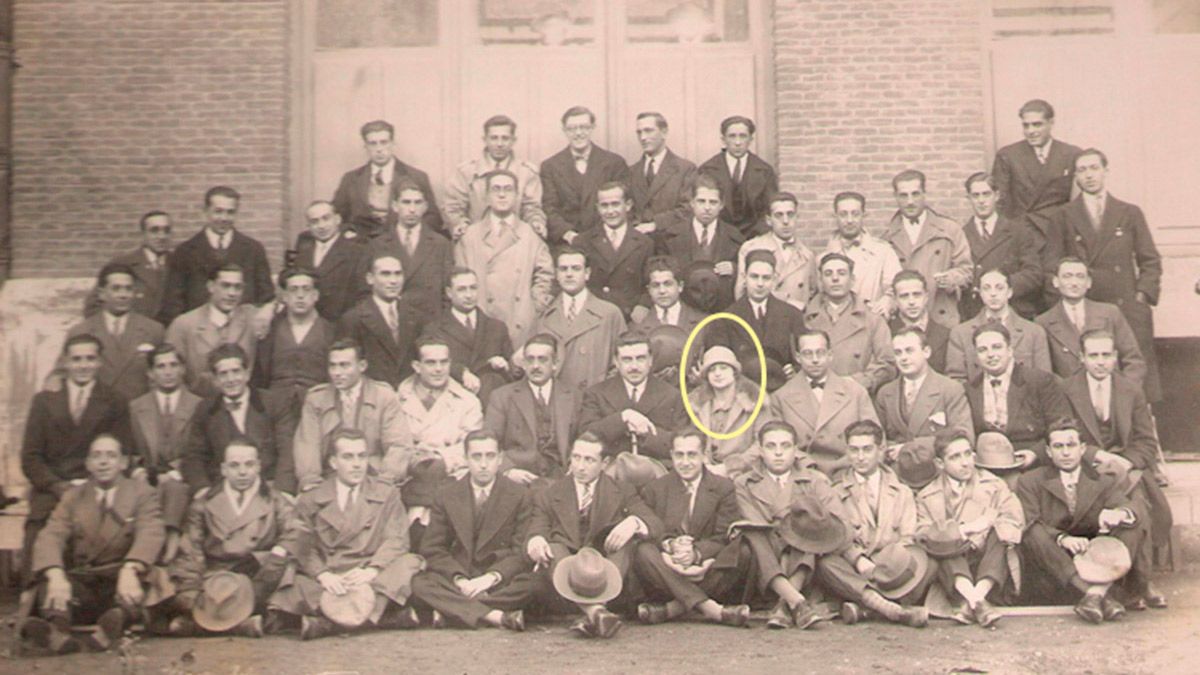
[(123, 359), (732, 456), (793, 276), (984, 496), (1029, 345), (941, 403), (941, 247), (892, 521), (195, 336), (585, 344), (819, 426), (466, 193), (80, 533), (442, 428), (515, 273), (860, 343), (875, 265), (160, 441)]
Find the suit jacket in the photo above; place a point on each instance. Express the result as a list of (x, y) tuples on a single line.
[(148, 284), (158, 440), (194, 335), (585, 344), (940, 403), (744, 210), (819, 425), (617, 276), (339, 277), (892, 520), (1035, 400), (270, 423), (123, 359), (55, 447), (442, 428), (677, 238), (350, 199), (455, 544), (79, 536), (388, 359), (1044, 502), (984, 496), (471, 349), (645, 318), (511, 415), (603, 404), (716, 508), (555, 513), (186, 287), (424, 271), (1026, 185), (515, 274), (937, 337), (667, 195), (217, 537), (1066, 353), (1029, 344), (794, 277), (1014, 248), (570, 198), (941, 247), (781, 322), (302, 365), (860, 342), (1133, 425)]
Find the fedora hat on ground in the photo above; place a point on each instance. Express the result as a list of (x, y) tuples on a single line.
[(811, 528), (993, 451), (587, 577), (944, 540), (349, 610), (1105, 560), (225, 600), (914, 463), (899, 569)]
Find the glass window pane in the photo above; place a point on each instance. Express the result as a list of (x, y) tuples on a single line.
[(537, 22), (351, 24), (692, 21)]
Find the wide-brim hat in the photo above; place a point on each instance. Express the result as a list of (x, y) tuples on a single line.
[(666, 347), (914, 463), (811, 528), (944, 540), (1105, 560), (993, 451), (587, 577), (636, 470), (226, 599), (899, 569), (351, 609), (702, 286)]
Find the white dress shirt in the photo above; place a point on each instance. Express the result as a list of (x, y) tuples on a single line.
[(699, 228), (385, 172), (913, 230), (462, 317), (78, 397), (635, 391), (731, 163), (1101, 395), (216, 317), (615, 235), (870, 485), (300, 330), (167, 402), (544, 392), (579, 300), (115, 325), (344, 492), (218, 241), (322, 248), (995, 399), (987, 227), (240, 500), (668, 315), (758, 308), (239, 415)]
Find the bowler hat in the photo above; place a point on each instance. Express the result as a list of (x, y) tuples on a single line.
[(1105, 560), (994, 451), (944, 540), (899, 569), (636, 470), (587, 577), (350, 609), (225, 600), (914, 463), (811, 528)]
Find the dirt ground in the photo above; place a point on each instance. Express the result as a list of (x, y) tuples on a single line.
[(1145, 642)]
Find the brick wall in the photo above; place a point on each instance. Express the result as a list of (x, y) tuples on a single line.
[(865, 89), (122, 106)]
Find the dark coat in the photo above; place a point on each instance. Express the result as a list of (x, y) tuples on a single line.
[(339, 277), (424, 272), (1130, 414), (569, 198), (715, 510), (186, 287), (1066, 353), (937, 337), (746, 208), (270, 423), (350, 199), (388, 360), (471, 350), (780, 324), (617, 276), (305, 365), (1035, 401), (1026, 185), (148, 284), (603, 404), (667, 196), (455, 545), (555, 514), (511, 416), (1045, 501), (677, 238), (1012, 248)]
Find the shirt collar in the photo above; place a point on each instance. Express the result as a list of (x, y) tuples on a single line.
[(75, 388), (547, 390), (781, 244), (1092, 382), (615, 232), (758, 304), (214, 239), (461, 317), (584, 154), (1005, 377), (916, 384), (672, 312), (920, 218), (490, 164), (631, 388), (328, 242), (580, 299), (240, 398), (731, 161), (782, 478), (249, 491), (218, 318), (698, 227), (383, 305), (343, 490), (150, 255), (353, 393), (1004, 314), (1044, 151), (487, 489), (1070, 476), (162, 396), (921, 323), (658, 157)]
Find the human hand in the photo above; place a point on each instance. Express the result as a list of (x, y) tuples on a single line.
[(498, 363), (478, 585), (723, 268), (58, 591), (621, 534), (332, 583), (470, 381), (359, 576), (129, 587), (538, 550), (520, 476), (865, 566), (637, 422), (645, 228), (1027, 457), (1074, 545), (569, 236)]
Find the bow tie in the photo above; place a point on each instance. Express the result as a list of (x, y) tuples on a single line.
[(816, 384), (913, 221), (232, 404)]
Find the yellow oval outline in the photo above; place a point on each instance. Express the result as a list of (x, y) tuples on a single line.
[(762, 386)]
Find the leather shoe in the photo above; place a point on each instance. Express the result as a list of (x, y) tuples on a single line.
[(1137, 605), (804, 615), (915, 617), (252, 627), (110, 628), (273, 622), (735, 615), (437, 620), (780, 617), (1153, 598), (583, 627), (607, 624), (963, 615), (1113, 610), (651, 613), (514, 620), (405, 617), (45, 635), (1090, 608), (314, 627), (985, 614), (852, 613), (181, 626)]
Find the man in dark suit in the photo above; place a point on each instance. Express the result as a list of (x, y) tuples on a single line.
[(697, 234), (290, 358), (219, 243), (744, 177), (696, 508), (616, 252), (586, 508), (633, 407), (571, 177), (999, 242), (659, 180), (773, 320), (479, 345), (920, 402), (1112, 237), (335, 255), (385, 324), (149, 264), (664, 285), (476, 571), (534, 418), (363, 195), (1034, 174), (1010, 398), (60, 428), (912, 309), (237, 410), (425, 255)]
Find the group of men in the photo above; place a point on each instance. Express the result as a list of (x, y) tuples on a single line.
[(437, 415)]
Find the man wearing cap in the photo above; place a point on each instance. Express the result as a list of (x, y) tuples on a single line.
[(694, 564), (577, 516), (664, 286), (874, 260), (350, 533), (385, 323), (987, 517), (1067, 505), (234, 531), (698, 235), (920, 402), (724, 402), (748, 181), (912, 309), (616, 252), (884, 572), (773, 320), (93, 561), (794, 261), (819, 404), (860, 348), (632, 411), (1029, 343)]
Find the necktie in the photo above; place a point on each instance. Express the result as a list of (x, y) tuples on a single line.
[(1098, 402), (379, 176), (241, 500), (571, 309), (167, 408), (706, 236), (470, 322), (662, 315), (1077, 318), (78, 405), (691, 492), (233, 404), (635, 393), (759, 312), (985, 230), (540, 395), (910, 393), (1069, 491), (585, 502), (393, 319), (649, 170), (409, 243), (481, 497), (348, 409), (118, 326), (737, 171), (1041, 154)]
